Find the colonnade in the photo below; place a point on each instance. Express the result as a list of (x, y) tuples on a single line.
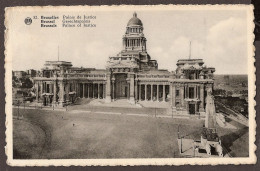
[(91, 90), (134, 30), (153, 92), (134, 42)]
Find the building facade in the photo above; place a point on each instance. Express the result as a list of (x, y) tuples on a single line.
[(132, 75)]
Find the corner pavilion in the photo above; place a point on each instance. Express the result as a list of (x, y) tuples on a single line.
[(132, 75)]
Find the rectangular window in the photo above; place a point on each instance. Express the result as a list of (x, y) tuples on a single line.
[(48, 88), (177, 93), (191, 92)]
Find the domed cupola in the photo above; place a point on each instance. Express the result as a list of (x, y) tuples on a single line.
[(134, 21)]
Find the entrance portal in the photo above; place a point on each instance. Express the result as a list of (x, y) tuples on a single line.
[(121, 86), (192, 109)]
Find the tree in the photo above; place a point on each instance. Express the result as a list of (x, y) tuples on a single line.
[(26, 83)]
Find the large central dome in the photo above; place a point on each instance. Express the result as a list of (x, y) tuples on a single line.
[(134, 21)]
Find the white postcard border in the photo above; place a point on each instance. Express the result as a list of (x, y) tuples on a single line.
[(124, 162)]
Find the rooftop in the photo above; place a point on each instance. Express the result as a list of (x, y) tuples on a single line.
[(134, 21), (190, 61)]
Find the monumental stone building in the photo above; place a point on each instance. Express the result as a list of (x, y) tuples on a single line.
[(132, 75)]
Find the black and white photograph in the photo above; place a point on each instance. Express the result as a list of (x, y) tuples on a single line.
[(130, 85)]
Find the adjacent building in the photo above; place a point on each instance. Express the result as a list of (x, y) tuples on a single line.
[(131, 74)]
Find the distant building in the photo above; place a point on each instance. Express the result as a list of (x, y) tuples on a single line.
[(132, 75), (19, 74), (31, 72)]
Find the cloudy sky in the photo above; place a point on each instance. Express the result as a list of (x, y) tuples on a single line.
[(218, 37)]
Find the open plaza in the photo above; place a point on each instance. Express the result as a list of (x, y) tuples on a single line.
[(91, 131)]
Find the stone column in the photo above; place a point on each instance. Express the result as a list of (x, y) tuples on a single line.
[(157, 92), (83, 90), (104, 90), (113, 90), (67, 92), (136, 90), (182, 95), (37, 91), (128, 88), (54, 92), (188, 94), (88, 89), (173, 94), (78, 84), (41, 84), (132, 88), (76, 89), (61, 96), (140, 89), (202, 99), (185, 91), (163, 93), (108, 89), (151, 92), (145, 92), (98, 90), (93, 90), (195, 92)]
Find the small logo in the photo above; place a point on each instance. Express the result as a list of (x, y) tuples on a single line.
[(28, 21)]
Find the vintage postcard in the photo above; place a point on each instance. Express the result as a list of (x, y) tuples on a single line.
[(130, 85)]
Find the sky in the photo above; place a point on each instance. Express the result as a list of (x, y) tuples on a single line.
[(218, 37)]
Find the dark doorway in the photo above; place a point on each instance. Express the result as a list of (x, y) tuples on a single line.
[(192, 109), (121, 87), (44, 101)]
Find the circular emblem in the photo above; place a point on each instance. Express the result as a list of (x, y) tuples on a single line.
[(28, 21)]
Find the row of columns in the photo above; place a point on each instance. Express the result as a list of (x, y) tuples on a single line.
[(152, 92), (134, 30), (196, 91), (133, 42), (86, 88)]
